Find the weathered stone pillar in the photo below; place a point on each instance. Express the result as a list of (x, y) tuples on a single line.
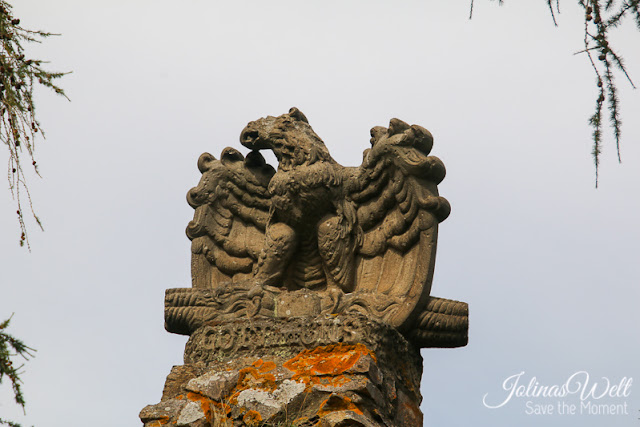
[(301, 371), (311, 285)]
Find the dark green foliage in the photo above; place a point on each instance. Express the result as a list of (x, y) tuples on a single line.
[(18, 124), (600, 17), (10, 348)]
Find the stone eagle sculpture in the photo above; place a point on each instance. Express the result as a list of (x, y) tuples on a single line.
[(315, 237)]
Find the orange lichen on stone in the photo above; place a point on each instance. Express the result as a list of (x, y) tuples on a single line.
[(264, 366), (338, 403), (328, 381), (219, 413), (205, 403), (329, 361), (252, 418), (159, 422), (254, 377)]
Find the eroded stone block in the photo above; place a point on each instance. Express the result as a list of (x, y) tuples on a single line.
[(337, 384)]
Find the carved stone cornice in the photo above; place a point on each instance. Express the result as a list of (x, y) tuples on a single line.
[(444, 323)]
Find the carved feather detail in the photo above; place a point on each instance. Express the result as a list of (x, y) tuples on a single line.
[(367, 230), (232, 205)]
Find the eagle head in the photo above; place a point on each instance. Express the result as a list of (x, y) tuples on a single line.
[(290, 138)]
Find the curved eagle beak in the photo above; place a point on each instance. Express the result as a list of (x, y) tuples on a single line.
[(255, 135)]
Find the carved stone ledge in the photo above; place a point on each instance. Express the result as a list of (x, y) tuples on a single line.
[(302, 371), (443, 323)]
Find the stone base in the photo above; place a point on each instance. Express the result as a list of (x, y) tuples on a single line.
[(317, 371)]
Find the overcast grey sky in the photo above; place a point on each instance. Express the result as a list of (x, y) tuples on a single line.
[(549, 266)]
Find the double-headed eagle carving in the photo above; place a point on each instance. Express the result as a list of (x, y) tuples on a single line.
[(351, 239)]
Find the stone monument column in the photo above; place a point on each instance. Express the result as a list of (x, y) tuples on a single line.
[(311, 285)]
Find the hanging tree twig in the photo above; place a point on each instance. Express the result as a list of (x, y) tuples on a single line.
[(599, 19), (18, 124)]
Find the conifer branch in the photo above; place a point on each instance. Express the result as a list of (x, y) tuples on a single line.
[(615, 19), (614, 117), (608, 59), (600, 17), (18, 123), (596, 119), (619, 64), (11, 347), (553, 15), (500, 3), (586, 50)]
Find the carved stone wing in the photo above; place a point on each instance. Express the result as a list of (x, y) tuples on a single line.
[(398, 209), (232, 206)]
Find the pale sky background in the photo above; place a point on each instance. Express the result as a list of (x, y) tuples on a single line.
[(549, 266)]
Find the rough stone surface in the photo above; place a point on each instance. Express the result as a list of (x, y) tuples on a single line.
[(161, 413), (268, 403), (213, 385), (370, 379), (345, 418), (191, 413)]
